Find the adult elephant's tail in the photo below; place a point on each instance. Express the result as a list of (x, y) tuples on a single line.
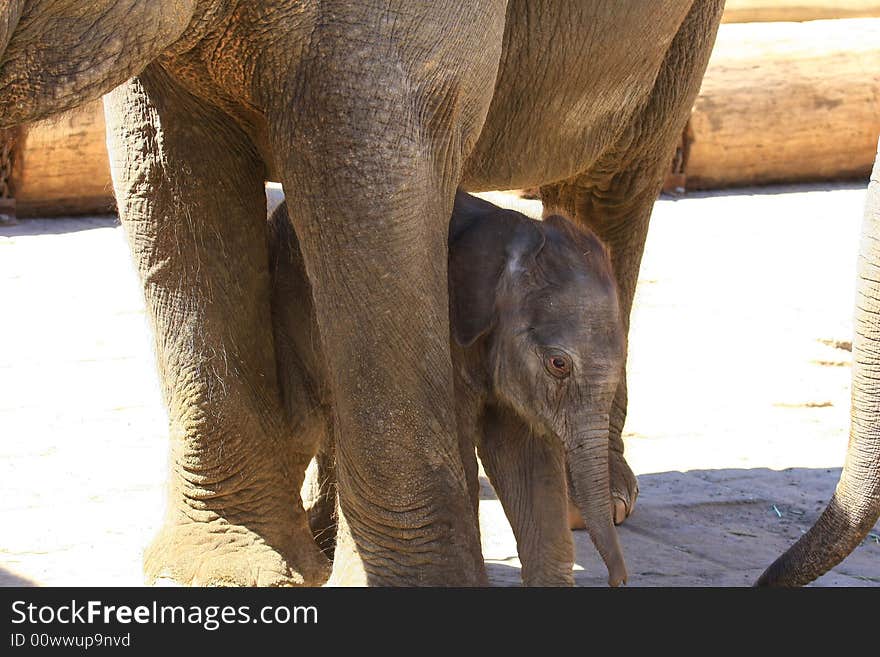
[(856, 503)]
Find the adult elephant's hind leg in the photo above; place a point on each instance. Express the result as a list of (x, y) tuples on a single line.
[(191, 199), (616, 195)]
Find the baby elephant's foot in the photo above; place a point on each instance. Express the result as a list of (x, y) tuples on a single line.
[(624, 487), (220, 554)]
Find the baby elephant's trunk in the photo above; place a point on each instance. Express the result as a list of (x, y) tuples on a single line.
[(587, 453)]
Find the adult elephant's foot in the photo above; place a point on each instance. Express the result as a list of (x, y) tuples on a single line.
[(220, 554), (575, 519), (624, 493), (350, 566), (624, 487)]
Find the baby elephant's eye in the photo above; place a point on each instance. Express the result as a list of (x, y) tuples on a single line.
[(559, 365)]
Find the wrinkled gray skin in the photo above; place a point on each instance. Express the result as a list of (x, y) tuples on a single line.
[(371, 115), (524, 295)]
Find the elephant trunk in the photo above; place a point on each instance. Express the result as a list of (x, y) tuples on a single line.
[(855, 506), (587, 453)]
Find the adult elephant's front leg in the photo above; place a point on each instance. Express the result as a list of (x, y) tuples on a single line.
[(378, 267), (371, 157), (191, 199)]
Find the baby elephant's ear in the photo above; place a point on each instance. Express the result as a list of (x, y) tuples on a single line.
[(484, 241)]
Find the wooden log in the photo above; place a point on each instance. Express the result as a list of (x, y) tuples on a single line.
[(748, 11), (787, 102), (61, 166)]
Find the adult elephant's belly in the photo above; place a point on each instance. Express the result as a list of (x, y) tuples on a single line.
[(572, 75)]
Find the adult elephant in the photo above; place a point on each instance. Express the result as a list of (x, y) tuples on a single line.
[(855, 506), (371, 114)]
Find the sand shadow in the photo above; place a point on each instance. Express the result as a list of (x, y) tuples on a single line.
[(503, 575), (771, 190), (720, 528), (10, 579)]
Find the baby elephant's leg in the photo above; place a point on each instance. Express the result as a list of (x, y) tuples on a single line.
[(528, 474)]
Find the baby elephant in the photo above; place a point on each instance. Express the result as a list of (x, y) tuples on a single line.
[(537, 347)]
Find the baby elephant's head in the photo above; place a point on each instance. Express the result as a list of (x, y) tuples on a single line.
[(539, 299)]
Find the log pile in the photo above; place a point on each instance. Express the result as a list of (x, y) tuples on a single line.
[(787, 102), (780, 102), (753, 11), (61, 166)]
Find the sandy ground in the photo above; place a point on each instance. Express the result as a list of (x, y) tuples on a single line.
[(738, 396)]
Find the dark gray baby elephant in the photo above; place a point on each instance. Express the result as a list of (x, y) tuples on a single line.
[(538, 351)]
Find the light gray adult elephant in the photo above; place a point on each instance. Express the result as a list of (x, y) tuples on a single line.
[(371, 114), (855, 506)]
